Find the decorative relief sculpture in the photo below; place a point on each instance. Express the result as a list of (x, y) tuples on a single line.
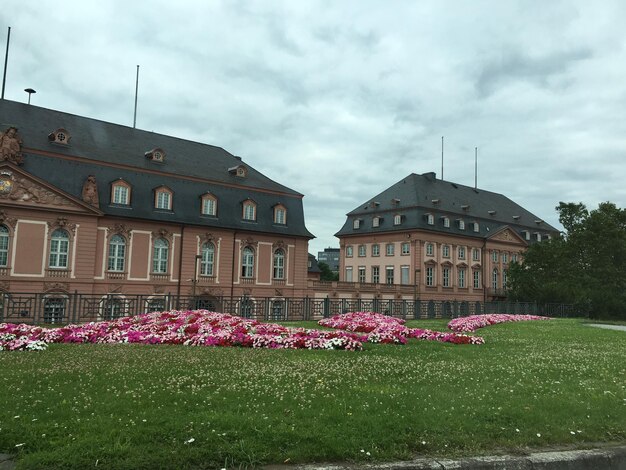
[(90, 191), (7, 220), (62, 222), (56, 286), (11, 147), (122, 229), (21, 189), (162, 233), (207, 237)]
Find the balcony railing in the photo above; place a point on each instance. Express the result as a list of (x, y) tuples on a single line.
[(206, 280), (248, 280), (278, 282), (159, 276), (115, 275), (4, 271), (58, 273)]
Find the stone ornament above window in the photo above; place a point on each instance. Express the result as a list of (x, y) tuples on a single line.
[(6, 219), (60, 136), (62, 223), (156, 155), (90, 191), (11, 146)]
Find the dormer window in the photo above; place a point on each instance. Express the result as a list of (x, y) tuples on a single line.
[(156, 155), (476, 227), (209, 205), (374, 204), (446, 222), (526, 234), (435, 201), (395, 202), (430, 219), (376, 222), (60, 136), (356, 224), (240, 171), (516, 217), (163, 198), (280, 214), (397, 219), (465, 207), (492, 213), (538, 236), (461, 224), (249, 210), (120, 193)]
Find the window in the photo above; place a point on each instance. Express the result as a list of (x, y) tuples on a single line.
[(59, 248), (430, 219), (389, 274), (430, 250), (475, 254), (4, 246), (397, 219), (476, 279), (446, 222), (349, 274), (504, 278), (461, 274), (117, 251), (361, 274), (526, 234), (280, 215), (376, 249), (430, 276), (375, 274), (505, 258), (404, 275), (446, 277), (514, 257), (538, 235), (406, 248), (389, 248), (249, 210), (476, 227), (121, 193), (494, 279), (247, 263), (356, 224), (445, 251), (163, 200), (494, 256), (362, 250), (461, 224), (160, 255), (279, 264), (461, 252), (349, 251), (209, 205), (375, 221), (54, 310), (208, 259)]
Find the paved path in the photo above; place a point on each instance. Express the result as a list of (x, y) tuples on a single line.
[(607, 327)]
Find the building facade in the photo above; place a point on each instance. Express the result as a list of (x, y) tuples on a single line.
[(330, 256), (436, 240), (98, 208)]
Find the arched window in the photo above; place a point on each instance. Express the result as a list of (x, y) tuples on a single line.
[(247, 262), (117, 252), (59, 248), (209, 205), (249, 210), (279, 264), (494, 279), (160, 255), (208, 259), (4, 246)]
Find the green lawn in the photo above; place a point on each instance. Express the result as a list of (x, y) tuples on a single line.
[(532, 384)]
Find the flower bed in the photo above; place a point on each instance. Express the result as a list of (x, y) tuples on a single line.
[(385, 329), (474, 322), (190, 328)]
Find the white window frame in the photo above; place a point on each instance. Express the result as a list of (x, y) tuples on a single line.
[(405, 248), (160, 256), (389, 275), (164, 200), (279, 264), (209, 206), (430, 249), (430, 276), (247, 263), (461, 224), (405, 276), (59, 249), (362, 251), (389, 249), (361, 273), (375, 249), (207, 261), (4, 246), (476, 279), (445, 251), (348, 273), (349, 251), (446, 222), (117, 254), (249, 211), (376, 274), (120, 194), (376, 222), (397, 219), (461, 252), (445, 277), (430, 219), (461, 276)]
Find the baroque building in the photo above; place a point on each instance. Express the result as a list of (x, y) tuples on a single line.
[(435, 240), (98, 208)]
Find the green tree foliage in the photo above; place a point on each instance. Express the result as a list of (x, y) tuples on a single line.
[(586, 265), (327, 274)]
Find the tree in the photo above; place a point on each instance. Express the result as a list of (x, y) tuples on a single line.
[(585, 266), (327, 274)]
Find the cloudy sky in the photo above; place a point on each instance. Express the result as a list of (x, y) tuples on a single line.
[(340, 99)]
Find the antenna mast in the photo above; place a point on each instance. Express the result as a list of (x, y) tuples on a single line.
[(136, 90), (442, 157), (6, 59), (475, 167)]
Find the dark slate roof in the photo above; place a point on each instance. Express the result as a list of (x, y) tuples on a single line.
[(416, 196), (315, 268), (102, 146)]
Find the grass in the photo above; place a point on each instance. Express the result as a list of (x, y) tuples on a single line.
[(532, 384)]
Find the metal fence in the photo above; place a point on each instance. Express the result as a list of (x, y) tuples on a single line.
[(78, 308)]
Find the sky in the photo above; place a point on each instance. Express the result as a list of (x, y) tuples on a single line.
[(340, 99)]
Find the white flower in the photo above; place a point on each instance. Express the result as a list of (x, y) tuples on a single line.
[(20, 445), (190, 440), (538, 435)]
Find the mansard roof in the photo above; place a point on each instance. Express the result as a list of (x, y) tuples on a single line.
[(112, 151), (416, 196)]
